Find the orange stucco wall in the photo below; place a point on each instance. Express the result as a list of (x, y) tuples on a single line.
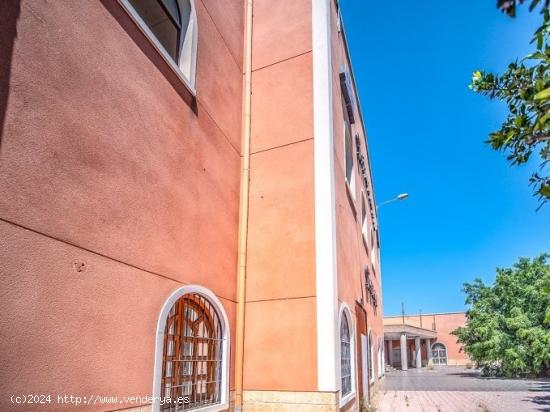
[(117, 187), (107, 162), (280, 341), (445, 324)]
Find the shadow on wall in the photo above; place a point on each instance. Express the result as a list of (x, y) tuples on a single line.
[(115, 9), (9, 14)]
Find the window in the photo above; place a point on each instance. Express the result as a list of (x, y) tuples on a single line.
[(347, 357), (348, 146), (373, 251), (364, 218), (380, 357), (439, 354), (371, 359), (171, 25), (191, 359)]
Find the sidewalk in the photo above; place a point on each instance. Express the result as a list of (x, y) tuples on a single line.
[(454, 389)]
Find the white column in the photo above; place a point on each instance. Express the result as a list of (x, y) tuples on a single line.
[(403, 345), (429, 350), (389, 351), (418, 352), (328, 344)]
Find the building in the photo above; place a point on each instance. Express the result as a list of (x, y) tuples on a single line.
[(424, 339), (187, 209)]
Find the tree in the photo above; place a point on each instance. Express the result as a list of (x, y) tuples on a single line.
[(507, 329), (509, 6), (525, 88)]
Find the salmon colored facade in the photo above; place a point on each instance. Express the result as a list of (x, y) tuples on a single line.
[(120, 183), (438, 346)]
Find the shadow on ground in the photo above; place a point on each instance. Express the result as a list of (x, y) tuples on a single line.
[(541, 401)]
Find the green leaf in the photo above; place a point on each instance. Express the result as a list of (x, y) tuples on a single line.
[(509, 136), (538, 55), (518, 121), (541, 121), (543, 95)]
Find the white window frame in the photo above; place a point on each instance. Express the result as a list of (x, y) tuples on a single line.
[(371, 354), (446, 353), (373, 254), (345, 311), (350, 183), (365, 222), (159, 346), (380, 357), (186, 68)]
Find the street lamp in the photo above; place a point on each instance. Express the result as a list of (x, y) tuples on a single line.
[(401, 196)]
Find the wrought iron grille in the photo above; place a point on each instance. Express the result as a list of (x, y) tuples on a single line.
[(345, 356), (192, 357)]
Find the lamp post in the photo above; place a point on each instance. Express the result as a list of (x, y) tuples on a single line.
[(399, 197)]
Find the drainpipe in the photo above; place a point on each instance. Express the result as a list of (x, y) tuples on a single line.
[(243, 212)]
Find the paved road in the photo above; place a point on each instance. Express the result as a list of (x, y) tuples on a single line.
[(454, 389)]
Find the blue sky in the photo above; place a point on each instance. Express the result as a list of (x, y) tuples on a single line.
[(469, 211)]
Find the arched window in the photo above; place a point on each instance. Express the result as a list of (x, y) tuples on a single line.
[(191, 362), (347, 356), (439, 354), (171, 26)]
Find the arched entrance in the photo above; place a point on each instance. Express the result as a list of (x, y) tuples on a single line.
[(439, 354)]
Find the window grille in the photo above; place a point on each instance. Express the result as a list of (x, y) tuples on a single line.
[(345, 356), (347, 93), (192, 356), (439, 354)]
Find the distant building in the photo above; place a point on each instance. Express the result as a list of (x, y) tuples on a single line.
[(421, 340), (122, 168)]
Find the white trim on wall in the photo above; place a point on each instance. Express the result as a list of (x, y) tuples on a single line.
[(159, 345), (328, 348)]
